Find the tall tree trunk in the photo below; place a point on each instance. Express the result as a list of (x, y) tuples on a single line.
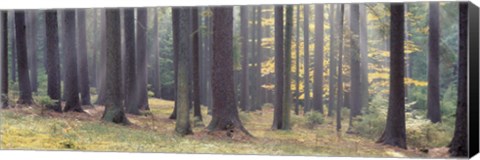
[(297, 62), (182, 125), (197, 113), (142, 58), (101, 83), (458, 147), (176, 47), (279, 60), (355, 85), (306, 61), (318, 67), (13, 48), (22, 59), (244, 100), (71, 77), (4, 60), (32, 48), (130, 62), (253, 96), (363, 58), (332, 62), (340, 61), (224, 111), (258, 60), (113, 105), (82, 58), (433, 102), (156, 52), (394, 133), (53, 63), (287, 96), (93, 81)]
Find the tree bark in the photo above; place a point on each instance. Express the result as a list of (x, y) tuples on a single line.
[(142, 58), (244, 98), (130, 62), (32, 48), (113, 105), (82, 58), (101, 83), (258, 60), (363, 57), (332, 61), (22, 59), (306, 61), (355, 83), (340, 61), (279, 70), (318, 67), (13, 48), (53, 60), (297, 63), (433, 102), (197, 113), (458, 147), (176, 47), (156, 80), (394, 133), (4, 60), (71, 77), (287, 96)]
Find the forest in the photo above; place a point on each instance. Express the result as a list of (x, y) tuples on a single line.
[(359, 79)]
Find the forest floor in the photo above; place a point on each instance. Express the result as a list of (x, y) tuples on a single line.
[(34, 128)]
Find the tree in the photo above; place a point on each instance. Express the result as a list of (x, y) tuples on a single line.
[(142, 102), (458, 147), (70, 57), (53, 63), (224, 110), (4, 60), (279, 70), (156, 70), (306, 83), (297, 62), (433, 102), (355, 92), (31, 32), (13, 47), (363, 57), (332, 62), (197, 113), (340, 61), (101, 83), (176, 47), (318, 67), (253, 96), (114, 104), (82, 58), (394, 133), (130, 62), (22, 59), (182, 125), (287, 69), (244, 100), (258, 63)]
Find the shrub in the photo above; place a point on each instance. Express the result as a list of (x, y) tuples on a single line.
[(314, 118), (44, 100)]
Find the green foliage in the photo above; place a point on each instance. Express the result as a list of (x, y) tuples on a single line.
[(314, 118), (44, 100), (421, 133)]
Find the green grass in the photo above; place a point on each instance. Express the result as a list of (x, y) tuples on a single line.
[(32, 128)]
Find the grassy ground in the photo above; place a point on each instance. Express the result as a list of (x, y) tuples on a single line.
[(34, 128)]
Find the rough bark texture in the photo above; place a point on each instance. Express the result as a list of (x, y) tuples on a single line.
[(142, 58), (433, 102), (4, 61), (318, 67), (244, 100), (71, 77), (459, 144), (82, 58), (297, 62), (355, 92), (182, 125), (53, 63), (394, 133), (287, 96), (340, 61), (130, 62), (332, 62), (306, 61), (22, 59), (224, 110), (279, 60), (114, 104)]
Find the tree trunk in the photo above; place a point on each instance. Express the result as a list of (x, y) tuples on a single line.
[(332, 62), (113, 105), (287, 96), (142, 58), (279, 72), (156, 52), (433, 102), (22, 59), (297, 63), (176, 47), (197, 113), (71, 77), (340, 61), (459, 145), (130, 62), (4, 60), (101, 83), (244, 100), (306, 63), (363, 57), (13, 48), (394, 133), (83, 60), (253, 50), (318, 67), (224, 111), (355, 85), (32, 48), (258, 60), (53, 60), (93, 81)]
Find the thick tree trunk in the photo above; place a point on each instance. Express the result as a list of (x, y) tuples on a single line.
[(287, 96), (363, 58), (253, 96), (156, 80), (53, 63), (4, 60), (71, 77), (32, 48), (318, 67), (459, 145), (332, 62), (114, 104), (258, 62), (142, 58), (279, 60), (176, 47), (394, 133), (82, 58), (224, 111), (22, 59), (340, 61), (182, 125), (355, 85), (244, 98), (433, 102), (306, 61), (197, 113), (93, 77), (130, 62), (101, 83), (13, 47), (297, 63)]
